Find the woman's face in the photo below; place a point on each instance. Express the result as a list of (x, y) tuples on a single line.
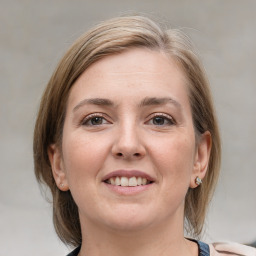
[(129, 153)]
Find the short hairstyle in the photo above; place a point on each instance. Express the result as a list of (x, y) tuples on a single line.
[(111, 37)]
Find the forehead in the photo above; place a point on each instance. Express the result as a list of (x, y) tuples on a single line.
[(136, 61), (131, 72)]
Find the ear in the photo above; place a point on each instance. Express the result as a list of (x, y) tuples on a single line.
[(202, 156), (58, 170)]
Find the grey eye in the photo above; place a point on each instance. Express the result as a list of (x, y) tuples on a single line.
[(161, 120), (96, 120), (158, 120)]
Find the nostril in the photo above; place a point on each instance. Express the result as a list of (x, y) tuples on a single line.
[(121, 154)]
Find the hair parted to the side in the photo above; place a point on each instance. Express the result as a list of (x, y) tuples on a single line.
[(112, 37)]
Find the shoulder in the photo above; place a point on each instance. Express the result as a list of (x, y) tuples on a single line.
[(231, 249)]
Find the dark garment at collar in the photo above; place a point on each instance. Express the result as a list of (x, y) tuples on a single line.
[(203, 249)]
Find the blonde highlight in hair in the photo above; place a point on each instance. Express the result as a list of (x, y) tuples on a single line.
[(112, 37)]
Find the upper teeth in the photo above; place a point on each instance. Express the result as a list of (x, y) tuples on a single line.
[(127, 182)]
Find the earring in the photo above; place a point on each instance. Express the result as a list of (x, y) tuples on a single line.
[(62, 185), (198, 181)]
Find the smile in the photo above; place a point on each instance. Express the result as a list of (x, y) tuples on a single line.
[(128, 178), (128, 182)]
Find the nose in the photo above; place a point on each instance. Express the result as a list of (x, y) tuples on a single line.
[(128, 144)]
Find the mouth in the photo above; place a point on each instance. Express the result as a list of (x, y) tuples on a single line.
[(128, 178), (128, 182)]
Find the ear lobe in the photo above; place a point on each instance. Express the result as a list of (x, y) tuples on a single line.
[(58, 171), (201, 158)]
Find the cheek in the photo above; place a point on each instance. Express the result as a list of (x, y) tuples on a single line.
[(83, 156), (175, 159)]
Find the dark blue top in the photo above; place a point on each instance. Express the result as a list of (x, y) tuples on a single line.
[(75, 252), (203, 249)]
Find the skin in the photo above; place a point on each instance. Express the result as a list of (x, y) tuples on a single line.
[(131, 133)]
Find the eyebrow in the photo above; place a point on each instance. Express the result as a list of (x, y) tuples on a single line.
[(159, 101), (148, 101), (94, 101)]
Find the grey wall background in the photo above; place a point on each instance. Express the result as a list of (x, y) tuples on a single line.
[(35, 34)]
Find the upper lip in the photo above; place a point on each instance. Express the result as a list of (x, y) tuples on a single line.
[(128, 174)]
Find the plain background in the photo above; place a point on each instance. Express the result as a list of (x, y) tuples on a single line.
[(33, 37)]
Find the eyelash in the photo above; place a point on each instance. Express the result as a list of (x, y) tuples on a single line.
[(90, 117), (166, 117)]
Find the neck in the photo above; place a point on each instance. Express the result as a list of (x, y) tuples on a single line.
[(164, 240)]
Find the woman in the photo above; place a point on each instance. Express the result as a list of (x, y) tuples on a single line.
[(127, 140)]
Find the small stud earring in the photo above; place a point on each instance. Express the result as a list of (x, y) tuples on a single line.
[(62, 185), (198, 181)]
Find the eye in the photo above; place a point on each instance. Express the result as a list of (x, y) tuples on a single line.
[(161, 120), (94, 120)]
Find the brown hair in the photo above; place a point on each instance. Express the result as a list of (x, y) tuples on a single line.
[(110, 37)]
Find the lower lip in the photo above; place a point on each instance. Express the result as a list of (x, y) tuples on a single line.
[(128, 190)]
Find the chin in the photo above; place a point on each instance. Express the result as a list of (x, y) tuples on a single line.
[(128, 225), (129, 219)]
